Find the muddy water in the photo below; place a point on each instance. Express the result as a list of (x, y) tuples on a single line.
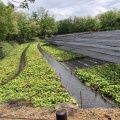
[(89, 98), (21, 67)]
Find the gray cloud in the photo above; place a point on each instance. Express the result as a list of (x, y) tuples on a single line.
[(62, 9)]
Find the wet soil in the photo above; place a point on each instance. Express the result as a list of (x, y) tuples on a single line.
[(21, 67), (88, 98), (83, 63)]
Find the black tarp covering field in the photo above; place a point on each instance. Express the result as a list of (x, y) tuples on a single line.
[(100, 45)]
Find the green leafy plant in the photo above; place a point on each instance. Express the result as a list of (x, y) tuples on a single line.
[(9, 65), (105, 78), (44, 87)]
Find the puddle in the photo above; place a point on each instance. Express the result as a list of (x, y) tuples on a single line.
[(89, 98)]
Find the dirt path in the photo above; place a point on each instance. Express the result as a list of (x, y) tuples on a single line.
[(8, 112)]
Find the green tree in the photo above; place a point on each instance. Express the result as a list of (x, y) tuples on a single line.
[(46, 22), (118, 20), (34, 28), (8, 25), (34, 16), (79, 24), (65, 26), (12, 25), (3, 21), (23, 25), (108, 20), (91, 24)]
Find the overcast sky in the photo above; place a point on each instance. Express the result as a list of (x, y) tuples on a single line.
[(62, 9)]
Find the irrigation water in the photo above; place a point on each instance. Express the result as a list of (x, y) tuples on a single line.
[(89, 98)]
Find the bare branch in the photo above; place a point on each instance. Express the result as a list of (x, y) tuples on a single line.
[(23, 4)]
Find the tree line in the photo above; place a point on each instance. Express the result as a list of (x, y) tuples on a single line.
[(102, 22), (19, 26)]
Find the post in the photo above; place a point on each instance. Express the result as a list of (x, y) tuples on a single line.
[(80, 99), (61, 115)]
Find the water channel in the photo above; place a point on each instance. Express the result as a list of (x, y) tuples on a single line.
[(89, 98), (22, 64)]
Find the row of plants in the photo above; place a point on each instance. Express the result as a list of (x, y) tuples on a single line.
[(9, 65), (37, 83), (57, 53), (105, 79)]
